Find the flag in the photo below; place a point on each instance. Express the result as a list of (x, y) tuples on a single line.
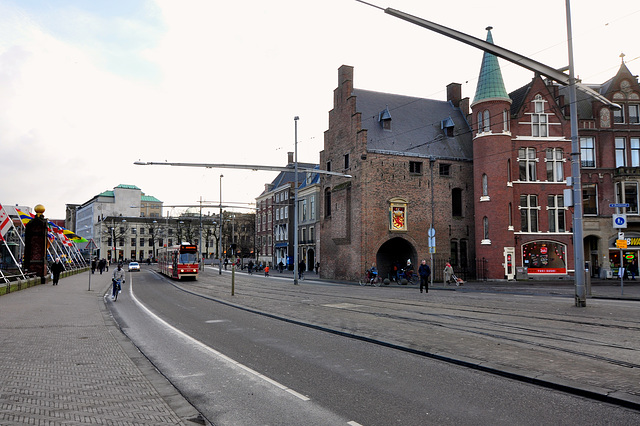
[(5, 223), (73, 237), (25, 218)]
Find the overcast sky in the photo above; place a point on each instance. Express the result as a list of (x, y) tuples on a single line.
[(89, 87)]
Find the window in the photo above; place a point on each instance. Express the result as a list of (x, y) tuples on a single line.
[(527, 162), (555, 163), (485, 228), (589, 199), (505, 121), (415, 167), (587, 152), (480, 122), (277, 214), (509, 217), (529, 213), (556, 213), (621, 152), (312, 207), (346, 161), (327, 202), (634, 114), (618, 115), (133, 241), (539, 125), (627, 192), (444, 169), (485, 185), (635, 152), (487, 121), (464, 256), (328, 166), (456, 202), (453, 253)]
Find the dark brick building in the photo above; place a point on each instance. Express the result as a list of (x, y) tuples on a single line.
[(411, 165)]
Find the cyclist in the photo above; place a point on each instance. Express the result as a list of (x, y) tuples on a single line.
[(372, 273), (118, 276)]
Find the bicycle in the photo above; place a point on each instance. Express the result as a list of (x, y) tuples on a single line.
[(370, 278), (412, 278), (117, 288)]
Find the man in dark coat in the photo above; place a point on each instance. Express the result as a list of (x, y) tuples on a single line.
[(424, 271), (56, 269)]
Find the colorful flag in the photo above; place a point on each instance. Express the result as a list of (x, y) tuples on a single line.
[(5, 223), (25, 218), (73, 237)]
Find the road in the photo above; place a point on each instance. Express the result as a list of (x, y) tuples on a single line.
[(240, 367)]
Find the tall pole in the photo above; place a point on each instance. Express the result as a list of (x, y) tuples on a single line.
[(295, 205), (578, 245), (201, 260), (220, 235)]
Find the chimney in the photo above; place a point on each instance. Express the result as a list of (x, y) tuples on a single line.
[(289, 157), (454, 93)]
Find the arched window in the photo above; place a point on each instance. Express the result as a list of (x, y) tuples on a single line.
[(505, 121), (485, 228), (480, 122), (485, 185), (456, 202), (487, 121)]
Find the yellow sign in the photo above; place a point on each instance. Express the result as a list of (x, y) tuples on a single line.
[(621, 244)]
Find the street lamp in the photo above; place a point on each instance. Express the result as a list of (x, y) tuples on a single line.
[(295, 206), (220, 236)]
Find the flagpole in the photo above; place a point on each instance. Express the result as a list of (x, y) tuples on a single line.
[(14, 259)]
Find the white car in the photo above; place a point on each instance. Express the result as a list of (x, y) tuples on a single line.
[(134, 266)]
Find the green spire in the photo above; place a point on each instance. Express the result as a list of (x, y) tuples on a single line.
[(490, 84)]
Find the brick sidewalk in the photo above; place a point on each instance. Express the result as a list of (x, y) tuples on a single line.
[(64, 361)]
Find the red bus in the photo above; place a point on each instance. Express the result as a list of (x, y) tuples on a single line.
[(179, 261)]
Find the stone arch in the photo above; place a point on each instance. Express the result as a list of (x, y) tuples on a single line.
[(396, 249)]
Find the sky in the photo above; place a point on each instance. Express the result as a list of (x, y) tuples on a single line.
[(89, 87)]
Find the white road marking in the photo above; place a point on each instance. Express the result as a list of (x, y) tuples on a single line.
[(213, 351)]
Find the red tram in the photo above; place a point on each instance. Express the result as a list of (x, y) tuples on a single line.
[(179, 261)]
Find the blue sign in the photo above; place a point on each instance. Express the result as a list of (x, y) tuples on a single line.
[(619, 205), (619, 220)]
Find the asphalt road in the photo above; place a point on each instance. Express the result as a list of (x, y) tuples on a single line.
[(240, 367)]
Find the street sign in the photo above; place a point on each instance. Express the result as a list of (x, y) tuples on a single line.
[(91, 245), (432, 232), (619, 205), (619, 220), (621, 244)]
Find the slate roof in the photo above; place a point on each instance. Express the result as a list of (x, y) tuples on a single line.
[(284, 178), (416, 126)]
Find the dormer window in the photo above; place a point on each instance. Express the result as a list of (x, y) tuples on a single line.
[(447, 126), (385, 119)]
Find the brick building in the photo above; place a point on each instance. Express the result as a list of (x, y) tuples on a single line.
[(411, 165), (522, 148)]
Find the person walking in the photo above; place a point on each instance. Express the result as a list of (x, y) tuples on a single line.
[(56, 269), (301, 269), (250, 267), (266, 271), (424, 271), (448, 273)]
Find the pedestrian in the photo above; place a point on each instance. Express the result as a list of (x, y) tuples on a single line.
[(280, 266), (317, 267), (266, 271), (101, 265), (633, 269), (93, 265), (250, 267), (301, 269), (408, 270), (118, 274), (56, 269), (448, 273), (424, 271), (226, 262)]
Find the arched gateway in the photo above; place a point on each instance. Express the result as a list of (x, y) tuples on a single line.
[(396, 250)]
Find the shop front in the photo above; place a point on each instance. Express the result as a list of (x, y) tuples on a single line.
[(545, 258), (628, 257)]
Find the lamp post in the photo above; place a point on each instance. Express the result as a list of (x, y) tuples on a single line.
[(153, 240), (295, 205), (220, 236)]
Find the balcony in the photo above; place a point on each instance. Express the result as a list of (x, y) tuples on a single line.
[(622, 172)]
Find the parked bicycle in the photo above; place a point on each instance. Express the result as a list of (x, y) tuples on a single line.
[(370, 278)]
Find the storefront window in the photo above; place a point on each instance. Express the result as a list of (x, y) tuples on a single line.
[(545, 257)]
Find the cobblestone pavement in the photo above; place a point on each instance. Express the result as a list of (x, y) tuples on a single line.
[(63, 361)]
